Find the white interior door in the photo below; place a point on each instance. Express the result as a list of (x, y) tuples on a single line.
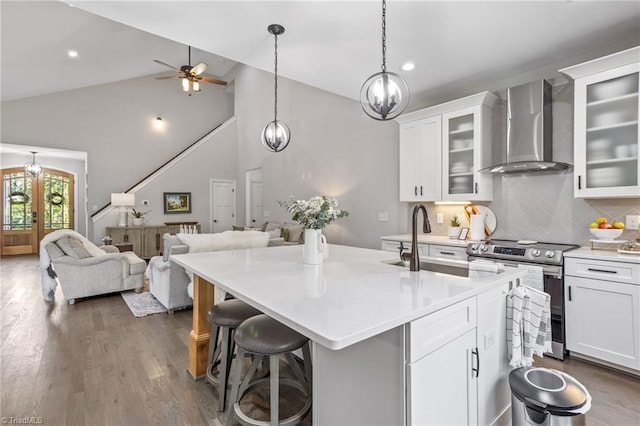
[(223, 205), (256, 204)]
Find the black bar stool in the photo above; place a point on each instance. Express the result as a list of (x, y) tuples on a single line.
[(262, 336), (225, 316)]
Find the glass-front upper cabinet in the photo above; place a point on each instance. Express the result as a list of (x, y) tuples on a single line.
[(465, 152), (606, 116)]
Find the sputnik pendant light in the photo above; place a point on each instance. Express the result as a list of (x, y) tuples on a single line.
[(276, 134), (33, 168), (384, 95)]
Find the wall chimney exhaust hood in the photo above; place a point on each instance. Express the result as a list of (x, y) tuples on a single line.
[(529, 130)]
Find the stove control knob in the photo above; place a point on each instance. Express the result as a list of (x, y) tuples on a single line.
[(535, 252), (474, 247), (549, 253), (484, 247)]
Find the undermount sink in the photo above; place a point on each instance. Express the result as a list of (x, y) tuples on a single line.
[(425, 265)]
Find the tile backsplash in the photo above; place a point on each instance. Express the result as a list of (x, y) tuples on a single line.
[(541, 205)]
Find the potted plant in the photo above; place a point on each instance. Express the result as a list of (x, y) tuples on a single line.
[(454, 226), (137, 217), (313, 215)]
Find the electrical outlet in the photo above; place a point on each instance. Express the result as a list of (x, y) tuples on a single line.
[(632, 221), (439, 218), (489, 339)]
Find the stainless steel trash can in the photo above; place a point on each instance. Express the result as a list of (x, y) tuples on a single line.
[(542, 396)]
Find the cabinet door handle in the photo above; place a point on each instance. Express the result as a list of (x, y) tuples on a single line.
[(476, 187), (569, 288), (415, 190), (579, 182), (476, 355), (602, 270), (420, 189)]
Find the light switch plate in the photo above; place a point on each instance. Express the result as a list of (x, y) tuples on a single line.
[(383, 216), (439, 218), (632, 221)]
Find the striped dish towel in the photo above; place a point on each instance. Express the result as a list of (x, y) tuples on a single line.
[(528, 325)]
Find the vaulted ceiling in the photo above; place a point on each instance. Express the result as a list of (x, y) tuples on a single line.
[(332, 45)]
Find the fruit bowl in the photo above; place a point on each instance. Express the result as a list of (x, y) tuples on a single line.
[(605, 234)]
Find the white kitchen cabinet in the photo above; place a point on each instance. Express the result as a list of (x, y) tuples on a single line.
[(420, 152), (466, 150), (606, 116), (442, 369), (444, 147), (449, 252), (494, 393), (602, 305)]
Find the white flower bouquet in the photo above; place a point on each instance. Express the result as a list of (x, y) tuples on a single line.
[(315, 213)]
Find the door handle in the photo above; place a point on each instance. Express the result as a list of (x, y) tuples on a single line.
[(476, 355)]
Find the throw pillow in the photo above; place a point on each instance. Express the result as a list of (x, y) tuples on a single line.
[(73, 247), (270, 226), (284, 233), (237, 228), (295, 233), (275, 233)]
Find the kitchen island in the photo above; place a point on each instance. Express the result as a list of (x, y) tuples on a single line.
[(358, 312)]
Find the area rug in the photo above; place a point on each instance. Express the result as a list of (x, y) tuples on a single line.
[(142, 304)]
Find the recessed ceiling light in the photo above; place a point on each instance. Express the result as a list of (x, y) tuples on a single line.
[(408, 66), (72, 53)]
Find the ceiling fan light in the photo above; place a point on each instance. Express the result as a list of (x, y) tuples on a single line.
[(185, 84), (196, 86), (275, 136)]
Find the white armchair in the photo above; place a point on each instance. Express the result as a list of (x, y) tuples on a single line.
[(84, 269)]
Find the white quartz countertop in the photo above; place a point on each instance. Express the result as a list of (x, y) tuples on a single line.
[(610, 255), (351, 297), (428, 239)]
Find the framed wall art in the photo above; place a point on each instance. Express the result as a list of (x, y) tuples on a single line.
[(177, 202)]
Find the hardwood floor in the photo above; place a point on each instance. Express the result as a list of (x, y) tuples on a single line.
[(94, 363)]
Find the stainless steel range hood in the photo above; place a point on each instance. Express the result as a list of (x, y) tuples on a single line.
[(529, 130)]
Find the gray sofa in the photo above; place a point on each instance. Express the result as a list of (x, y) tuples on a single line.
[(169, 282), (82, 274)]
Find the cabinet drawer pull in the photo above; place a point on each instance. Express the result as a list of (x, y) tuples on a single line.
[(448, 253), (602, 270)]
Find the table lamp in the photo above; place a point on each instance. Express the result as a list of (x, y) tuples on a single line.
[(123, 200)]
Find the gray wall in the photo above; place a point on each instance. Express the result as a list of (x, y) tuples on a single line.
[(113, 123), (215, 158), (336, 150)]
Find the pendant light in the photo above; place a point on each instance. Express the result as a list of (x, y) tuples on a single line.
[(384, 95), (276, 134), (33, 168)]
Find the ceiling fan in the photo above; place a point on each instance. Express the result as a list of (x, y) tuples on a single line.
[(190, 76)]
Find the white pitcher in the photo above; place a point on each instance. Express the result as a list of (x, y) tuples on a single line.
[(314, 246)]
